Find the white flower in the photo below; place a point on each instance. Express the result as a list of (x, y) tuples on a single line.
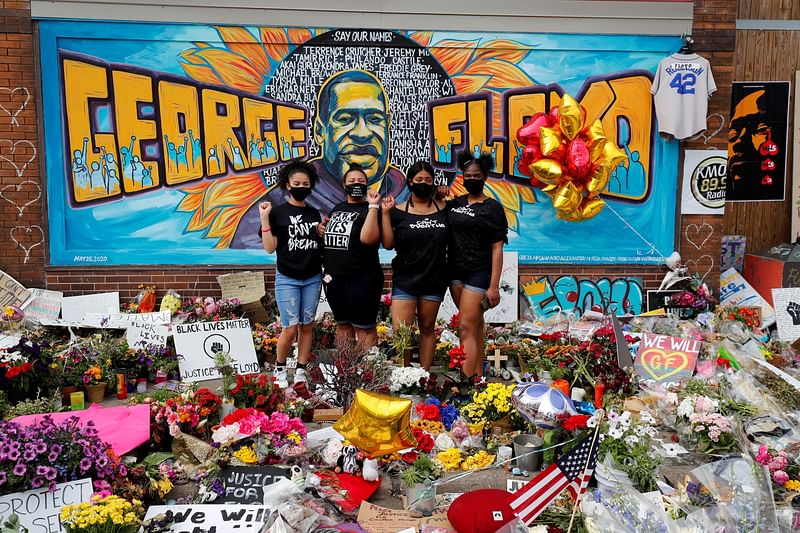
[(686, 408), (631, 440), (407, 376), (592, 422), (615, 433), (646, 418), (225, 434)]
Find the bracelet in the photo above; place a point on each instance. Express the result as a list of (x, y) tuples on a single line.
[(374, 206), (267, 230)]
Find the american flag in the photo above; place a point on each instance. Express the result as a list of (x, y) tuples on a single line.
[(571, 472)]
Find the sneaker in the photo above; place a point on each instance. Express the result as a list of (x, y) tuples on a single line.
[(281, 378), (300, 375)]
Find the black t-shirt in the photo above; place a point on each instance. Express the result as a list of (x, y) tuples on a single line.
[(299, 254), (344, 254), (421, 244), (474, 228)]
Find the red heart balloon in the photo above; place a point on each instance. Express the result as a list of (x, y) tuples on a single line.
[(554, 115), (579, 160), (559, 153), (529, 132), (532, 153)]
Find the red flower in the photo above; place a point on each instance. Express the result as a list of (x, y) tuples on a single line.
[(457, 356), (261, 400), (238, 415), (455, 321), (431, 412), (409, 457), (15, 371), (575, 422), (424, 441)]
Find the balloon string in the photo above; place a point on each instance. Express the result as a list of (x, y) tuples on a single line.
[(497, 465), (650, 244)]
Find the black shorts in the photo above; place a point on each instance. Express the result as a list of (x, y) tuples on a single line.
[(355, 299)]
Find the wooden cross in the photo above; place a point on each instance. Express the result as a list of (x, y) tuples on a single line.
[(497, 358)]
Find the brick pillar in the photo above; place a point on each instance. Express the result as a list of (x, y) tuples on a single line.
[(22, 234)]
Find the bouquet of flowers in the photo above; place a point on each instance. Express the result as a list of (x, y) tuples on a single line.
[(192, 412), (24, 369), (785, 473), (275, 432), (46, 453), (208, 309), (324, 333), (171, 302), (406, 379), (257, 390), (434, 410), (144, 301), (491, 404), (748, 316), (713, 432), (103, 514), (265, 339), (696, 297), (152, 358), (627, 441)]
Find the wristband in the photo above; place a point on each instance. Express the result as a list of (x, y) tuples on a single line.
[(374, 206), (267, 230)]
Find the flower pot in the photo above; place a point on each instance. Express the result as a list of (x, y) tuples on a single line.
[(502, 426), (227, 407), (421, 498), (96, 393), (523, 446), (611, 480), (65, 394)]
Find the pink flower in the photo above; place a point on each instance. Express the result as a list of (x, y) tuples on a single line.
[(172, 418), (211, 309), (208, 300), (247, 426), (780, 477), (763, 456), (386, 299), (778, 463)]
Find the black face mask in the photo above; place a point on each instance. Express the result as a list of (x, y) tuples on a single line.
[(421, 190), (356, 190), (300, 193), (474, 187)]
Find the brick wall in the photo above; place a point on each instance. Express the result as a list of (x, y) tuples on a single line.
[(21, 201), (21, 204)]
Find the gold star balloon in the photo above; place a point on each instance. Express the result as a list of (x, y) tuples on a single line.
[(568, 159), (377, 424)]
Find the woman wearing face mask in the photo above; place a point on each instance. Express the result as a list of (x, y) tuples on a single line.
[(291, 230), (478, 230), (353, 274), (418, 230)]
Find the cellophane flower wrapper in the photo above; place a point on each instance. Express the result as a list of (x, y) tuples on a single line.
[(626, 510), (742, 493)]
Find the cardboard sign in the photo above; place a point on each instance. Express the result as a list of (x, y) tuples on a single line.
[(704, 176), (328, 415), (376, 519), (733, 247), (659, 299), (141, 335), (75, 308), (213, 518), (39, 509), (198, 344), (125, 320), (735, 291), (787, 311), (245, 484), (507, 310), (246, 286), (12, 292), (664, 359), (45, 304)]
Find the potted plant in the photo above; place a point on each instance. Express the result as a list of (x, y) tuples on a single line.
[(110, 514), (418, 479), (95, 382)]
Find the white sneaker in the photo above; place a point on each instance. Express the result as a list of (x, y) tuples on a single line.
[(300, 375), (281, 378)]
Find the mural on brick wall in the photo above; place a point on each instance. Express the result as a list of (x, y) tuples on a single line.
[(162, 139), (545, 297)]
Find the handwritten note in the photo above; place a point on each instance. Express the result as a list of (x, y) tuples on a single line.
[(45, 304), (246, 286), (12, 292), (75, 308), (376, 519), (125, 320)]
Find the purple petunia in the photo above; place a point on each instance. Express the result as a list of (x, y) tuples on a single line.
[(85, 464), (37, 482), (122, 471), (51, 474), (20, 469), (13, 455)]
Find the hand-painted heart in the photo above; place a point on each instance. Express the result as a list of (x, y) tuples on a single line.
[(662, 365)]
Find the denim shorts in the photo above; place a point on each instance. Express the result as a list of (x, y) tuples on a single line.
[(474, 281), (297, 299), (402, 294)]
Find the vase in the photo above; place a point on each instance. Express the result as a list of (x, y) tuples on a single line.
[(96, 393), (227, 407), (65, 394), (421, 498)]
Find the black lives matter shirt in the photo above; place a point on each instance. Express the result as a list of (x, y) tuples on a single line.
[(421, 244), (474, 228), (298, 248), (344, 254)]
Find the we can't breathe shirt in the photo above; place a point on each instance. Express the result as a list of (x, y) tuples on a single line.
[(298, 251)]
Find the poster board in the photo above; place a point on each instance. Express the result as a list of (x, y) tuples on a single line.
[(787, 313), (44, 304), (39, 509), (213, 518), (125, 320), (246, 286), (245, 484), (199, 342), (12, 292), (663, 359), (75, 308), (704, 176)]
